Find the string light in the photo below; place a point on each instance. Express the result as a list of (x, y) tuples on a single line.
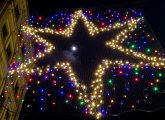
[(94, 100)]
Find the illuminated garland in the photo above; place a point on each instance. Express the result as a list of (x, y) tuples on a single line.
[(94, 101)]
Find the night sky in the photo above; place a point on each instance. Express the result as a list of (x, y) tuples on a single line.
[(152, 10)]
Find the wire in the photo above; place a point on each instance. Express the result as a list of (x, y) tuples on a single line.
[(141, 110)]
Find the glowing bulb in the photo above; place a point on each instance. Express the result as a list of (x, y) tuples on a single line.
[(74, 48)]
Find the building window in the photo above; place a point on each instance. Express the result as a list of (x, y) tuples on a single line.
[(17, 14), (8, 52), (23, 50), (16, 88), (2, 98), (4, 31), (7, 114)]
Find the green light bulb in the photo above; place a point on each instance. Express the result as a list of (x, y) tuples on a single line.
[(136, 69), (19, 58), (160, 74), (110, 82), (133, 46), (148, 50), (67, 101), (136, 73), (81, 103), (53, 25), (155, 88)]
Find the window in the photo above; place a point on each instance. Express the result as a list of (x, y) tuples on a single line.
[(4, 31), (2, 98), (17, 14), (23, 50), (7, 114), (16, 88), (8, 52)]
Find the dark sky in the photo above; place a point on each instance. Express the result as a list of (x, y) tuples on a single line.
[(153, 10)]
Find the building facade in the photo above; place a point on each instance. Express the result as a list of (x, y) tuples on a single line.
[(12, 14)]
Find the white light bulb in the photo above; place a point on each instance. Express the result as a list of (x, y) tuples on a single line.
[(74, 48)]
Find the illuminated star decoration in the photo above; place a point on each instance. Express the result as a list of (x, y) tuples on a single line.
[(94, 100)]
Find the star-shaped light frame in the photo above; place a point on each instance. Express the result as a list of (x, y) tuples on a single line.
[(94, 100)]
